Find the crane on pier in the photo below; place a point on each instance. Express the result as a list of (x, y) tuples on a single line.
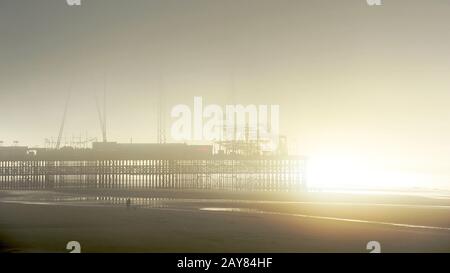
[(102, 116), (63, 122)]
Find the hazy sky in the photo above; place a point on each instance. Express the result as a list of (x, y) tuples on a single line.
[(354, 81)]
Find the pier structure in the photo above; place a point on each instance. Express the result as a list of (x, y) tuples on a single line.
[(113, 165)]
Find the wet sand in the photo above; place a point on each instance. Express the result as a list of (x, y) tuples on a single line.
[(167, 221)]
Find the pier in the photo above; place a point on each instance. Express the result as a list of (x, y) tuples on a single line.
[(148, 166)]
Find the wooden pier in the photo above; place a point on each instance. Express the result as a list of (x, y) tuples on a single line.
[(148, 166), (218, 174)]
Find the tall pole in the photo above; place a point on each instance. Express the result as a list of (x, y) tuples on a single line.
[(160, 114), (104, 109)]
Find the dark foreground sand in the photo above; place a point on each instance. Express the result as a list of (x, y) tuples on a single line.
[(205, 222)]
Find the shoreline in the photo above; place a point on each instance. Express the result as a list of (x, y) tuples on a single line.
[(181, 223)]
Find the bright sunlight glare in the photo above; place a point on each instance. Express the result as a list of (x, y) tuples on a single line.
[(345, 172)]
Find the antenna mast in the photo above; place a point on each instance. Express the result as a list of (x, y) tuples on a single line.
[(160, 114), (104, 109)]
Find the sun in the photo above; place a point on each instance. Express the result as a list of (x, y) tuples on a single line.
[(354, 172)]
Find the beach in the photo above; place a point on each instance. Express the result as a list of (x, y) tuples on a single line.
[(163, 221)]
